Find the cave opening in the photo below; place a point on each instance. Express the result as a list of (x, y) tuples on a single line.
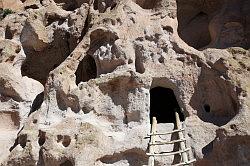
[(207, 108), (67, 5), (194, 30), (86, 69), (8, 33), (148, 4), (163, 105), (67, 163), (39, 63)]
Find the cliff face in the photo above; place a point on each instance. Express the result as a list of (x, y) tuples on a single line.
[(79, 79)]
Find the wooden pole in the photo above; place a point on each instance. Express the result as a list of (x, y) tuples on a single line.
[(151, 160), (171, 132), (181, 136), (168, 142), (168, 153)]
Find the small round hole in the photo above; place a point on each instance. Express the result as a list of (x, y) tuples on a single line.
[(55, 66), (130, 61), (161, 59), (207, 108), (244, 94), (66, 141), (233, 126), (168, 29), (35, 121)]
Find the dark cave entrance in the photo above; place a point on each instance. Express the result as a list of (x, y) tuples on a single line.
[(86, 69), (163, 105), (194, 31)]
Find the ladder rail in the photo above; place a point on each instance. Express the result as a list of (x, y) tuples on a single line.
[(151, 159), (181, 136)]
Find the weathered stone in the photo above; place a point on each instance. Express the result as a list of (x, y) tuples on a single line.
[(15, 5), (80, 81)]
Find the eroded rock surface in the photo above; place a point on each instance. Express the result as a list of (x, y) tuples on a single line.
[(77, 80)]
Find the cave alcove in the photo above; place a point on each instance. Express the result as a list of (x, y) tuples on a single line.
[(194, 32), (67, 163), (86, 69), (163, 105), (215, 24), (148, 4)]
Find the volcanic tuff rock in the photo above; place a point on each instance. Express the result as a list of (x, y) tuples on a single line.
[(77, 78)]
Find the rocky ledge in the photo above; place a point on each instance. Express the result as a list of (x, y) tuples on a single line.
[(81, 79)]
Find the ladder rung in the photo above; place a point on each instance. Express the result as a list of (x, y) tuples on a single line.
[(169, 142), (168, 153), (183, 163), (174, 131)]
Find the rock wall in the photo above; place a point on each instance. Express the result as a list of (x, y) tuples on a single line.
[(75, 80)]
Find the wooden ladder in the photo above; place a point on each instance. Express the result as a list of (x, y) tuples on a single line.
[(183, 151)]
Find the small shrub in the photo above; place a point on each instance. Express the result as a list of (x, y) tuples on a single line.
[(5, 12)]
